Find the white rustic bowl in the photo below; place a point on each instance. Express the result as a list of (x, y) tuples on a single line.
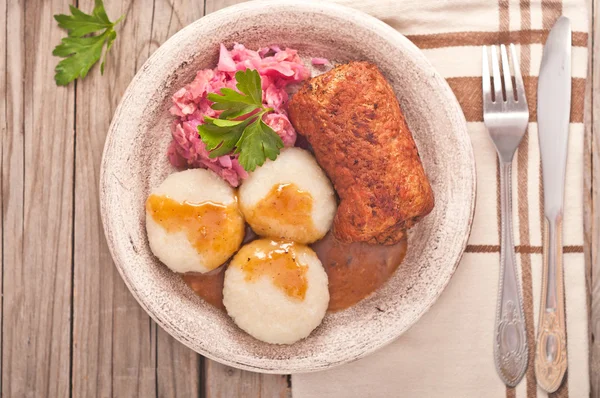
[(135, 161)]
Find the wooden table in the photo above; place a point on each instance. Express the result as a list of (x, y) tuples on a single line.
[(69, 325)]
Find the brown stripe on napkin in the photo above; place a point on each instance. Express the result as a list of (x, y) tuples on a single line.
[(523, 213), (503, 21), (468, 93), (520, 249), (527, 280), (551, 11), (459, 39), (563, 390)]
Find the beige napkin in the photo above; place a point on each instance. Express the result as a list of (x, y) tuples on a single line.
[(448, 353)]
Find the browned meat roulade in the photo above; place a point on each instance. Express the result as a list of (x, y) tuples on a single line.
[(353, 121)]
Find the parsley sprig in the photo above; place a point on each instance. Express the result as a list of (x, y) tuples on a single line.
[(240, 127), (82, 48)]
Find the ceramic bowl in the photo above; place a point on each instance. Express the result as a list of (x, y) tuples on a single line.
[(135, 161)]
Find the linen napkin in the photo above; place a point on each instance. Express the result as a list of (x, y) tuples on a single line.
[(448, 352)]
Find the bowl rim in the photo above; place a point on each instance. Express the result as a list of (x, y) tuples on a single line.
[(308, 6)]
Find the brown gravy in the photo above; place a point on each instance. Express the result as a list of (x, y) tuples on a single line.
[(209, 286), (289, 206), (213, 229), (355, 270)]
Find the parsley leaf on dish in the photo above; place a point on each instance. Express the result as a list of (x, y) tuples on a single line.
[(250, 91), (251, 86), (221, 140), (235, 104), (250, 137), (82, 48), (258, 142)]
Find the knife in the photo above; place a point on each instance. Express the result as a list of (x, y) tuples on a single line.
[(554, 106)]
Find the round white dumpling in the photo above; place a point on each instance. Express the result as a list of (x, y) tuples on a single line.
[(276, 291), (289, 198), (193, 221)]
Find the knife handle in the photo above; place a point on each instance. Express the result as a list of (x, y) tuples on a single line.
[(551, 350), (510, 340)]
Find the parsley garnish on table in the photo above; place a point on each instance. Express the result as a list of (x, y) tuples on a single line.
[(82, 48), (240, 127)]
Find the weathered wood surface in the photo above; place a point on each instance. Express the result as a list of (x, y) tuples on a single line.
[(69, 325), (117, 349), (592, 196), (37, 208), (214, 5), (224, 382)]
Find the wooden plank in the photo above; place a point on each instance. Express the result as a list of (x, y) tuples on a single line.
[(592, 214), (214, 5), (178, 367), (118, 350), (224, 381), (37, 190), (114, 340), (170, 16), (3, 136), (5, 128)]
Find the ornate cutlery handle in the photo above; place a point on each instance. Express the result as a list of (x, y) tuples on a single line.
[(551, 351), (510, 342)]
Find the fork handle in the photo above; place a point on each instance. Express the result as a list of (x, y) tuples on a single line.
[(510, 340), (551, 353)]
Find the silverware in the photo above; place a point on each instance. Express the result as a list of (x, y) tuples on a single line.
[(554, 106), (506, 115)]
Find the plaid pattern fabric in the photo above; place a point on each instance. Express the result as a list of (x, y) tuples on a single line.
[(448, 353)]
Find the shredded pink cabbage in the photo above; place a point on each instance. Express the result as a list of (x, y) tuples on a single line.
[(277, 68)]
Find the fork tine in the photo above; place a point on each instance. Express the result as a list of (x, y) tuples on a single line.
[(519, 86), (497, 78), (485, 77), (508, 86)]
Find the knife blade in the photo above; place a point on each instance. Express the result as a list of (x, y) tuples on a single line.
[(554, 106)]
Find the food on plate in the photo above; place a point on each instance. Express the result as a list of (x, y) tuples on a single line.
[(277, 69), (232, 130), (289, 198), (276, 290), (193, 221), (209, 286), (352, 119), (357, 269), (240, 128)]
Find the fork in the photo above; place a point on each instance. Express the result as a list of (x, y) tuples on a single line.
[(506, 115)]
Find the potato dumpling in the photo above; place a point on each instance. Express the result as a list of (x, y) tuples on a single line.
[(276, 291), (193, 221), (289, 198)]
